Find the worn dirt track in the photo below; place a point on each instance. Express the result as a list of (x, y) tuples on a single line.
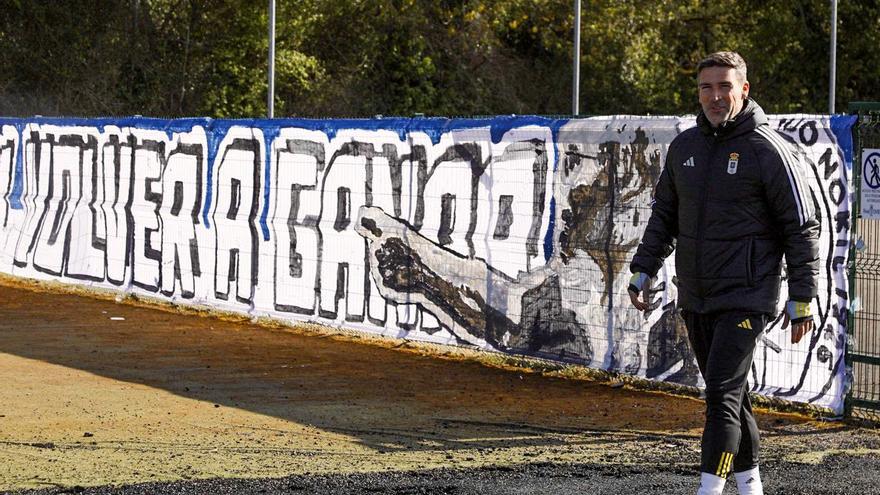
[(96, 392)]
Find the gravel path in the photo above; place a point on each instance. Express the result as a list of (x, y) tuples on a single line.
[(838, 475)]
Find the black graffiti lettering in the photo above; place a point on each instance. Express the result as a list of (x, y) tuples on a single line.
[(32, 165), (295, 259), (237, 252), (96, 213), (539, 185), (419, 156), (183, 166), (61, 212), (149, 161), (194, 256), (341, 285), (837, 191), (429, 323), (232, 270), (828, 333), (87, 264), (235, 202), (841, 314), (447, 219), (808, 133), (505, 217), (296, 287), (787, 125), (178, 198), (343, 279), (407, 315), (340, 245), (346, 205), (396, 170), (828, 166), (44, 182), (472, 155), (7, 166), (842, 222), (536, 148), (68, 156), (823, 355), (469, 153), (343, 209), (378, 307), (117, 161)]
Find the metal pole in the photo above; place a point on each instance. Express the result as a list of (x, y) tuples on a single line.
[(576, 83), (833, 68), (271, 102)]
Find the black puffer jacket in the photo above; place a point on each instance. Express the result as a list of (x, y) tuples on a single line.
[(732, 201)]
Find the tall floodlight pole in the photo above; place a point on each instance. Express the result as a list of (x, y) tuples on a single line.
[(271, 102), (576, 83), (833, 65)]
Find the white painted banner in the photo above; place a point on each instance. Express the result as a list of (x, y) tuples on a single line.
[(511, 234)]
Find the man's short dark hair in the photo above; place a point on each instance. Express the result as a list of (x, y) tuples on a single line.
[(725, 59)]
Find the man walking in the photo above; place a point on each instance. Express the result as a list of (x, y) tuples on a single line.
[(731, 200)]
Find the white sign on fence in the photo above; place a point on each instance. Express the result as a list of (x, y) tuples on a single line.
[(870, 183)]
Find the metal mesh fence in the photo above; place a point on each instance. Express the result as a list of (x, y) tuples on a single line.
[(511, 234), (864, 342)]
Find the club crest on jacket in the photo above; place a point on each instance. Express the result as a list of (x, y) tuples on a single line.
[(732, 163)]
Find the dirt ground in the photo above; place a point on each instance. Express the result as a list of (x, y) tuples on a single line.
[(96, 392)]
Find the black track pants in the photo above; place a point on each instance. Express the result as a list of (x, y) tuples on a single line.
[(724, 344)]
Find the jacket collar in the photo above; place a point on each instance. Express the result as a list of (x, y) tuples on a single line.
[(750, 117)]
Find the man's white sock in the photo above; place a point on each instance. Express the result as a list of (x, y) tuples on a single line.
[(711, 484), (749, 482)]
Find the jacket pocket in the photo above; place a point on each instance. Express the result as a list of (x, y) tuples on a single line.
[(725, 259)]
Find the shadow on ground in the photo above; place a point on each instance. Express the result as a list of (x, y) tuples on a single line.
[(389, 400)]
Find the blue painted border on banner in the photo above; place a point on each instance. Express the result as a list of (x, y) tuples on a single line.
[(548, 237), (841, 126), (17, 182)]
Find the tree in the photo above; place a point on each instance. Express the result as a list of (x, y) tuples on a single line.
[(359, 58)]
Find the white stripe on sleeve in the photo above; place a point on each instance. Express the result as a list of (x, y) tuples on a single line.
[(799, 186)]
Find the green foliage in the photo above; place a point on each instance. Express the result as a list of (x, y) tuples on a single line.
[(360, 58)]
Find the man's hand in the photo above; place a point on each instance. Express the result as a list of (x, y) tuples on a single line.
[(801, 319), (636, 285)]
